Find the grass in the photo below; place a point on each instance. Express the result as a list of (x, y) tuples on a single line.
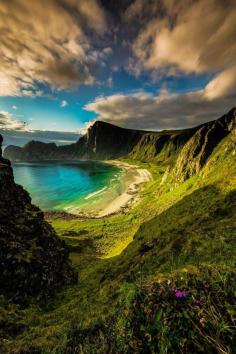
[(177, 237)]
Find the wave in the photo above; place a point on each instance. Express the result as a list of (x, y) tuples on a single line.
[(95, 193)]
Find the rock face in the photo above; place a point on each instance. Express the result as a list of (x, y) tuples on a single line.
[(184, 150), (107, 141), (160, 146), (196, 151), (33, 260), (102, 141)]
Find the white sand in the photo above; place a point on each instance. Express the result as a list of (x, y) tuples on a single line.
[(112, 203), (134, 178)]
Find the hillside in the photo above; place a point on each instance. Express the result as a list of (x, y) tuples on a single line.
[(33, 260), (159, 278), (104, 141)]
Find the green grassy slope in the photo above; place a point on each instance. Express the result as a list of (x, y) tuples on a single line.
[(159, 279)]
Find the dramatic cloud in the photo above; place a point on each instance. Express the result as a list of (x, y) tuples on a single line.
[(188, 37), (46, 42), (166, 111), (8, 122)]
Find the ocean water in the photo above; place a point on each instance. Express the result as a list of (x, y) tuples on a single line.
[(68, 185)]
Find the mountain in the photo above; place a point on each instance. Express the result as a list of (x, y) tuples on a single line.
[(102, 141), (159, 278), (33, 260), (105, 141)]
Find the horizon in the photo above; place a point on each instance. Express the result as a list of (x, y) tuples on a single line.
[(137, 65)]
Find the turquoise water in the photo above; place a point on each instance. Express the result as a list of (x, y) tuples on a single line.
[(64, 185)]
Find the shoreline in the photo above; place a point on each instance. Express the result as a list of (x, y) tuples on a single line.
[(132, 179)]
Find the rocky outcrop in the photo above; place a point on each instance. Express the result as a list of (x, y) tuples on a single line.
[(161, 146), (107, 141), (102, 141), (33, 260), (184, 151), (36, 151), (196, 151)]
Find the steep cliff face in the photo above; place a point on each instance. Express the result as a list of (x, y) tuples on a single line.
[(106, 141), (33, 260), (184, 150), (197, 150), (161, 146), (102, 141)]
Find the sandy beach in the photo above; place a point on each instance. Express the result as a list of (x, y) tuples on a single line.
[(133, 178), (110, 202)]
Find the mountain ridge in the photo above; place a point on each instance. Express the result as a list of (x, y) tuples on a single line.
[(102, 141)]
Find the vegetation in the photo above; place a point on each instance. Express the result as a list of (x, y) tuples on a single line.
[(158, 279)]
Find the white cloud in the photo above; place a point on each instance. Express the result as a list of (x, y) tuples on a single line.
[(223, 84), (47, 43), (110, 81), (64, 103), (165, 111), (8, 122), (187, 37), (85, 127)]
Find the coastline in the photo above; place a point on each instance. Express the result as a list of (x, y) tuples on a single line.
[(113, 203), (134, 177)]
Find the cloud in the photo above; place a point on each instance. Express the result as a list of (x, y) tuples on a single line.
[(64, 103), (19, 137), (8, 122), (187, 37), (14, 131), (110, 81), (48, 43), (222, 84), (165, 111), (85, 127)]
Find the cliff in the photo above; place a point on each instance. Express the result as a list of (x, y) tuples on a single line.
[(199, 148), (184, 152), (102, 141), (33, 260)]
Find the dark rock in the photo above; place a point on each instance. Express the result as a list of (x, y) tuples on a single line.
[(196, 151), (33, 260)]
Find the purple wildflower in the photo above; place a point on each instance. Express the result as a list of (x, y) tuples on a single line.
[(180, 293)]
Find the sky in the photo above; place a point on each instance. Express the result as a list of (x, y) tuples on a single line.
[(142, 64)]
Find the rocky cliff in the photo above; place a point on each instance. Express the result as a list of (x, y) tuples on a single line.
[(184, 150), (102, 141), (33, 260), (200, 146)]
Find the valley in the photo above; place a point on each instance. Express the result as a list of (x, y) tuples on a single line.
[(159, 278)]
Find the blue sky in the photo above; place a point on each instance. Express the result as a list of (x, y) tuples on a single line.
[(138, 64), (47, 112)]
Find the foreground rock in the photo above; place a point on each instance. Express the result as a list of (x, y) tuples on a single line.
[(33, 260)]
